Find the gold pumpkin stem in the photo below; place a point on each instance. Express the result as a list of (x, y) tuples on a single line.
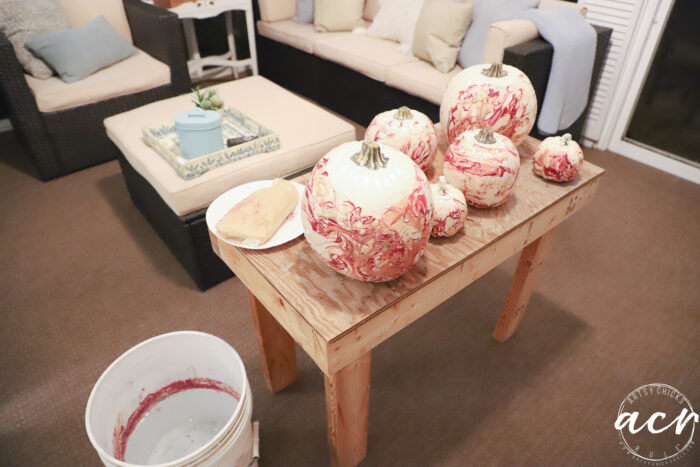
[(566, 138), (370, 156), (495, 71), (485, 136), (403, 113)]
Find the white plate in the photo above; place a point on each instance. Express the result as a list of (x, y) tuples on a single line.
[(289, 230)]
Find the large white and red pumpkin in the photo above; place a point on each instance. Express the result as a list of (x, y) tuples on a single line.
[(449, 209), (499, 97), (484, 165), (557, 158), (409, 131), (367, 211)]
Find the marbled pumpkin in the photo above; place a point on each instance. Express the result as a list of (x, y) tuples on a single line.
[(557, 158), (409, 131), (449, 209), (499, 97), (367, 211), (484, 165)]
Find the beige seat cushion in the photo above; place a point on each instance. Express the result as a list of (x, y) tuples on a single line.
[(277, 10), (81, 11), (421, 79), (306, 132), (137, 73), (301, 36), (368, 55)]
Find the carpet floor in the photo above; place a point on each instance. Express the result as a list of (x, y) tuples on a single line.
[(83, 277)]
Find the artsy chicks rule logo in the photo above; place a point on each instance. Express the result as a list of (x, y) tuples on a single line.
[(656, 424)]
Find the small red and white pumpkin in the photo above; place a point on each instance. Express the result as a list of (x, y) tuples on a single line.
[(409, 131), (557, 158), (484, 165), (367, 211), (449, 209), (499, 97)]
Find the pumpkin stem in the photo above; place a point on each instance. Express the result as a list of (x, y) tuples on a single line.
[(403, 113), (485, 136), (370, 156), (495, 71), (442, 181), (566, 138)]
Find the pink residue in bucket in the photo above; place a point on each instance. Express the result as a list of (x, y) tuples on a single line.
[(123, 432)]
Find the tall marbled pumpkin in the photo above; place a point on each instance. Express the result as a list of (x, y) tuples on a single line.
[(409, 131), (484, 165), (367, 211), (499, 97)]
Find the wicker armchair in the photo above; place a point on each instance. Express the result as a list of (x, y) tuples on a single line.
[(64, 141)]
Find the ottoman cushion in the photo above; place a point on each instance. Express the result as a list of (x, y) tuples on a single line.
[(306, 132)]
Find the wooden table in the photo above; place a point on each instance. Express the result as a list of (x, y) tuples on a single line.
[(294, 297)]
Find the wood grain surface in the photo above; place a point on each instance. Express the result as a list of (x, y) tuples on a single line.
[(347, 411), (345, 315), (522, 286), (276, 348)]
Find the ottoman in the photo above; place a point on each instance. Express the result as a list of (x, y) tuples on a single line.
[(176, 207)]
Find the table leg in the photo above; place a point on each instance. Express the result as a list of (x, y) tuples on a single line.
[(250, 26), (192, 47), (347, 409), (276, 348), (522, 286), (231, 40)]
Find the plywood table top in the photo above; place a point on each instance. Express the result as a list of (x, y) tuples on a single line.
[(337, 319)]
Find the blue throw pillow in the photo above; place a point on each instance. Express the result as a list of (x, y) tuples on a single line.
[(305, 12), (485, 13), (77, 53)]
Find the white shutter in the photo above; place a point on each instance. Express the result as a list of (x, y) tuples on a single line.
[(621, 16)]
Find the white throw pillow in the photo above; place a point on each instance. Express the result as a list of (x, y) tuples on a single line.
[(396, 21)]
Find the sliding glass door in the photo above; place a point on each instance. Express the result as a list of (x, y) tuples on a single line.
[(659, 122), (667, 115)]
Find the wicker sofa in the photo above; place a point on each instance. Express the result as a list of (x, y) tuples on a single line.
[(359, 76), (61, 124)]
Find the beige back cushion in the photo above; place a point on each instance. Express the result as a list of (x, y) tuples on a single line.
[(277, 10), (371, 9), (337, 15), (81, 11), (439, 32)]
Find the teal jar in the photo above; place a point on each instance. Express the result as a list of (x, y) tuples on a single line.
[(199, 132)]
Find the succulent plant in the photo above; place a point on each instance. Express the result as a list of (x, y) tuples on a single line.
[(208, 99)]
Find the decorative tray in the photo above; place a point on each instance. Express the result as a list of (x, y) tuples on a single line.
[(163, 139)]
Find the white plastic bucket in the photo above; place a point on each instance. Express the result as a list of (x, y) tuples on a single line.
[(202, 427)]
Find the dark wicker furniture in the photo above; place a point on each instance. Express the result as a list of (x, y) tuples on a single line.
[(363, 97), (65, 141), (187, 236)]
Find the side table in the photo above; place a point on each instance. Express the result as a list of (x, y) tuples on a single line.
[(201, 9), (294, 297)]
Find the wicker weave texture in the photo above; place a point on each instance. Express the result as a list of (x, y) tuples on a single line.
[(62, 142)]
